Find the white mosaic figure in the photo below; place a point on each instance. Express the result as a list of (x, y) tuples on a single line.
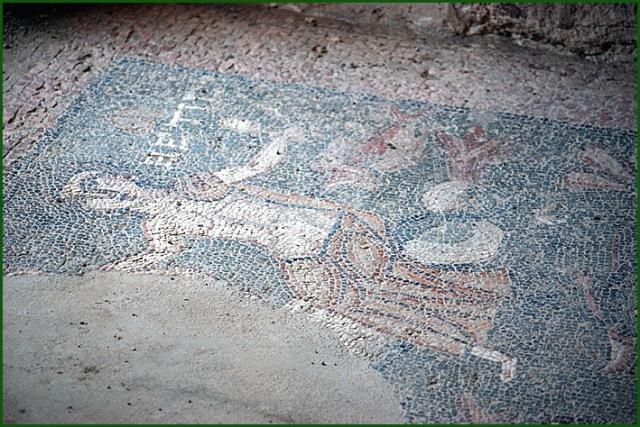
[(332, 255)]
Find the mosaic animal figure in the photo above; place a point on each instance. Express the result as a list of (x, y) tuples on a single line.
[(333, 256)]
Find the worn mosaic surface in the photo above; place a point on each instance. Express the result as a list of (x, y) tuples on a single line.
[(484, 263)]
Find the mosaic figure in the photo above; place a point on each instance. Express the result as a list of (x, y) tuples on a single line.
[(393, 148), (466, 159), (333, 256), (622, 355), (608, 173)]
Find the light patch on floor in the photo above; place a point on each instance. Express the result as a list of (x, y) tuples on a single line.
[(110, 347)]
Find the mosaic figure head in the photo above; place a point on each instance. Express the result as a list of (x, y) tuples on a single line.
[(99, 191)]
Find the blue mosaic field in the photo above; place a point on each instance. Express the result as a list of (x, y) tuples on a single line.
[(365, 208)]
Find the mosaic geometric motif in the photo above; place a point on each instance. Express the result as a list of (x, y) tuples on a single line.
[(488, 258)]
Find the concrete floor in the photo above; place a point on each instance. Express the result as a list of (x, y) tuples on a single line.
[(113, 348), (107, 347)]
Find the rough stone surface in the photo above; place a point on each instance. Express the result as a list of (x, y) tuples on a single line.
[(418, 19), (604, 32), (600, 31)]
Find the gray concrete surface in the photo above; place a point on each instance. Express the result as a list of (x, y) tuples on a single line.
[(119, 348)]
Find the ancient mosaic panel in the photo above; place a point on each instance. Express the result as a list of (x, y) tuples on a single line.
[(483, 262)]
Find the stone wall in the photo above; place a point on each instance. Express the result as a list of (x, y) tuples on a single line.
[(418, 18), (597, 31), (607, 31)]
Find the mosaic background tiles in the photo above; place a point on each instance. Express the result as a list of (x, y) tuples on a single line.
[(490, 257)]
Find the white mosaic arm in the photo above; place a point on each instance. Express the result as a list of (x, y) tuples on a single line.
[(266, 160)]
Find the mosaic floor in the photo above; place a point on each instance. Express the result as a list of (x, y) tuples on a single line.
[(483, 263)]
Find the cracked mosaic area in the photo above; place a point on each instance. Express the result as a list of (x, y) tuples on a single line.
[(484, 263)]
